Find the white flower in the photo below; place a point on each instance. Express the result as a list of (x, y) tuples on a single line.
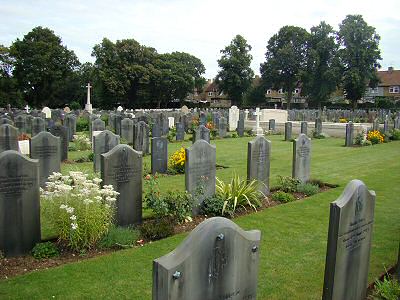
[(63, 206), (74, 226), (73, 217), (69, 210)]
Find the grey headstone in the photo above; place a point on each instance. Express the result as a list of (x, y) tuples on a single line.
[(223, 127), (349, 134), (156, 130), (303, 127), (6, 121), (117, 124), (180, 131), (20, 123), (218, 260), (122, 168), (102, 143), (8, 138), (318, 126), (288, 131), (386, 126), (141, 137), (271, 125), (203, 118), (258, 162), (19, 203), (159, 155), (62, 133), (349, 243), (396, 124), (301, 158), (46, 148), (38, 125), (375, 125), (240, 125), (127, 130), (98, 125), (70, 123), (200, 170), (201, 133)]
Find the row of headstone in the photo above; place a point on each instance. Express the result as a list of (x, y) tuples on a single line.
[(218, 260)]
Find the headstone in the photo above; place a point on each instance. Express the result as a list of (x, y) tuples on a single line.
[(127, 130), (46, 148), (29, 119), (156, 129), (180, 131), (38, 125), (233, 117), (19, 203), (171, 122), (258, 162), (288, 131), (375, 125), (120, 108), (8, 138), (141, 137), (240, 125), (20, 123), (47, 112), (117, 124), (349, 134), (62, 133), (201, 133), (222, 128), (203, 118), (303, 127), (159, 155), (396, 124), (349, 243), (98, 125), (102, 143), (200, 170), (318, 126), (67, 110), (301, 158), (6, 121), (386, 126), (218, 260), (70, 123), (258, 131), (185, 109), (122, 168), (271, 125)]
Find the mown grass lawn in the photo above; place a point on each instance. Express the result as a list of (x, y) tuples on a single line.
[(293, 235)]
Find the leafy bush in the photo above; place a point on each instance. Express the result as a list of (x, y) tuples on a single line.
[(80, 210), (342, 120), (235, 135), (176, 162), (82, 142), (23, 137), (82, 124), (283, 197), (395, 134), (308, 189), (388, 289), (238, 192), (317, 136), (74, 105), (83, 159), (45, 250), (375, 137), (156, 230), (288, 184), (360, 138), (119, 237), (213, 206), (171, 135), (104, 118), (175, 205)]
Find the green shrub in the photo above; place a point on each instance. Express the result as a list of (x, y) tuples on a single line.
[(238, 192), (82, 124), (360, 138), (72, 148), (388, 289), (78, 208), (74, 105), (171, 135), (157, 229), (212, 206), (308, 189), (45, 250), (119, 237), (235, 135), (104, 118), (283, 197), (82, 142), (395, 134), (288, 184), (175, 205)]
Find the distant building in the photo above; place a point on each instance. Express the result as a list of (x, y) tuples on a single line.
[(388, 87), (210, 96)]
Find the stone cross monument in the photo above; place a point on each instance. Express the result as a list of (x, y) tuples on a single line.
[(88, 106), (258, 130)]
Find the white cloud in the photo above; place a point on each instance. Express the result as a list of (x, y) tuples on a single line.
[(201, 28)]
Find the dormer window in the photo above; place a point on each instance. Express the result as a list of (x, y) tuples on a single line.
[(269, 91), (394, 89), (210, 94), (297, 91), (280, 91)]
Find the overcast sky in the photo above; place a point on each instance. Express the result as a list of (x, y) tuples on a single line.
[(199, 27)]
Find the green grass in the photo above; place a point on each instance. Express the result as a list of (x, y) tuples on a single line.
[(294, 235)]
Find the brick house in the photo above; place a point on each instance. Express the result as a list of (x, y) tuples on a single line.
[(389, 86)]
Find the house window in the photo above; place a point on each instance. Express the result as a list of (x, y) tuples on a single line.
[(280, 91), (394, 89), (269, 91), (210, 94), (296, 91)]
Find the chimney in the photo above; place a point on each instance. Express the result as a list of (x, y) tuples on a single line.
[(390, 69)]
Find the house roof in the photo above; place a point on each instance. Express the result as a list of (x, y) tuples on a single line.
[(390, 77), (211, 87)]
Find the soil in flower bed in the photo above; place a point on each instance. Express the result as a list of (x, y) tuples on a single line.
[(13, 266)]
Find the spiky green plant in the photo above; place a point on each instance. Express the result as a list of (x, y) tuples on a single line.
[(240, 193)]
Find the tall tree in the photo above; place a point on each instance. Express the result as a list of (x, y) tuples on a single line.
[(235, 75), (322, 74), (359, 54), (43, 67), (9, 92), (285, 60)]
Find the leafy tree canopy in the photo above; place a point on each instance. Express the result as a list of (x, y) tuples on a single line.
[(285, 59), (359, 53), (235, 76)]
